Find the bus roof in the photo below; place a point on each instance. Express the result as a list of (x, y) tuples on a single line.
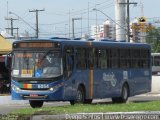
[(90, 43)]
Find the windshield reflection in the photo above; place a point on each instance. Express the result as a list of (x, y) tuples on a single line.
[(39, 65)]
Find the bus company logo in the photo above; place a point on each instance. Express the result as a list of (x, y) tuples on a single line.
[(110, 77)]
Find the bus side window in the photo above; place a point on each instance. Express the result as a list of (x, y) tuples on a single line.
[(81, 58), (102, 58), (68, 61), (152, 60), (92, 58)]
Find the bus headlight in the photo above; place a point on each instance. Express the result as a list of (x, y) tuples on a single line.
[(54, 88), (51, 89), (15, 88)]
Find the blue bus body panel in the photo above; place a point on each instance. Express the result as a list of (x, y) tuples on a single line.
[(108, 83)]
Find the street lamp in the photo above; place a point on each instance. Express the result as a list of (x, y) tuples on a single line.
[(109, 18), (96, 20)]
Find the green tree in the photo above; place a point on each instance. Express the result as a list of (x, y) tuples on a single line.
[(153, 38)]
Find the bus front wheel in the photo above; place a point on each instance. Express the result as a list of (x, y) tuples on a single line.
[(35, 103), (72, 102), (124, 95)]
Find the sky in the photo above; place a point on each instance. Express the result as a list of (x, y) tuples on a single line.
[(56, 19)]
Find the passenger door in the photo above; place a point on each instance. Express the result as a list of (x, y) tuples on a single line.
[(68, 67)]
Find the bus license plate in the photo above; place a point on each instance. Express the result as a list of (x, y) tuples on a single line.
[(33, 95)]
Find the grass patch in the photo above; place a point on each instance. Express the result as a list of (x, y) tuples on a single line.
[(91, 108), (24, 114)]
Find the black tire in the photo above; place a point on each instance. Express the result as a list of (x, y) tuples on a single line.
[(72, 102), (80, 97), (88, 101), (36, 103), (124, 95), (116, 100)]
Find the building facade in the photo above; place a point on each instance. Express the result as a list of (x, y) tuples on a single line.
[(104, 31)]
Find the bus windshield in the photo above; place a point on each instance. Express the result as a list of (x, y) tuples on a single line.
[(37, 64)]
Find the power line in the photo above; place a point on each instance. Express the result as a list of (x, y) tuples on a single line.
[(22, 19)]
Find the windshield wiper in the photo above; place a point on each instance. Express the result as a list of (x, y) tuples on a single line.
[(45, 56)]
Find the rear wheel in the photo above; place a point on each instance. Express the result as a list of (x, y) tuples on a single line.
[(35, 103), (88, 101), (72, 102), (124, 95)]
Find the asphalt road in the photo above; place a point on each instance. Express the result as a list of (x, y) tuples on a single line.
[(4, 109)]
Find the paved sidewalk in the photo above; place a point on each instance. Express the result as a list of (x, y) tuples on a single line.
[(157, 93), (6, 100)]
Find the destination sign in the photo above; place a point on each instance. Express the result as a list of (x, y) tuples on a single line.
[(36, 45)]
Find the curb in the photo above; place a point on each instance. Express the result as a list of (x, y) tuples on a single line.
[(155, 93)]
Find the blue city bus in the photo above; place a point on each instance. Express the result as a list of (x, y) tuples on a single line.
[(78, 71)]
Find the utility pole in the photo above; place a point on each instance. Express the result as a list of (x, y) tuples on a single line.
[(96, 22), (128, 17), (11, 28), (69, 22), (73, 19), (7, 17), (36, 11), (65, 29), (88, 21), (142, 12)]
